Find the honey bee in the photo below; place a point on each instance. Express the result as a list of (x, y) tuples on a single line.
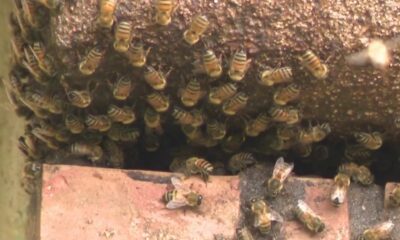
[(32, 66), (100, 123), (107, 9), (152, 119), (313, 64), (63, 135), (238, 66), (303, 150), (195, 165), (258, 125), (48, 140), (264, 216), (241, 161), (124, 115), (27, 144), (50, 4), (216, 130), (380, 231), (286, 132), (280, 173), (288, 115), (194, 118), (181, 196), (156, 79), (151, 140), (56, 104), (212, 65), (122, 88), (92, 151), (276, 76), (164, 11), (158, 101), (308, 217), (244, 234), (340, 187), (305, 137), (191, 132), (192, 93), (287, 94), (123, 133), (394, 196), (234, 104), (91, 61), (371, 141), (115, 154), (29, 11), (79, 98), (357, 173), (197, 27), (220, 94), (320, 132), (123, 36), (137, 55), (36, 99), (74, 124), (43, 61), (17, 46), (233, 142)]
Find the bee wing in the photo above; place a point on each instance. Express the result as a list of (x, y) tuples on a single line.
[(178, 184), (282, 169), (338, 194), (275, 216), (358, 59), (305, 208), (177, 203)]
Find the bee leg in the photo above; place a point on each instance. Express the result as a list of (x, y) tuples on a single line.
[(204, 176)]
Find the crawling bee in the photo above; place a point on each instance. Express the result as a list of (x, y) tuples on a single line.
[(48, 140), (233, 142), (27, 144), (107, 9), (238, 66), (123, 36), (216, 130), (122, 88), (287, 94), (280, 173), (197, 27), (308, 217), (192, 93), (152, 119), (194, 117), (212, 65), (195, 165), (151, 140), (164, 11), (394, 196), (43, 61), (288, 115), (313, 64), (74, 124), (357, 173), (340, 187), (156, 79), (63, 135), (100, 123), (371, 141), (258, 125), (91, 61), (234, 104), (115, 154), (124, 115), (380, 231), (181, 196), (240, 161), (192, 133), (357, 153), (29, 12), (36, 99), (158, 101), (32, 66), (320, 132), (123, 133), (219, 94), (137, 55), (286, 132), (276, 76), (78, 98), (244, 234), (92, 151), (50, 4), (264, 216)]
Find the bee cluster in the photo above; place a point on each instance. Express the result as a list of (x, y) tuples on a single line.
[(118, 102)]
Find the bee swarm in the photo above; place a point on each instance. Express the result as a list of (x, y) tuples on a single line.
[(66, 62)]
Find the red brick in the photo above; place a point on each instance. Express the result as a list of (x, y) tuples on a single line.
[(92, 203)]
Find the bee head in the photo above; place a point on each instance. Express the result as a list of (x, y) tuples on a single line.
[(199, 200), (320, 226)]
